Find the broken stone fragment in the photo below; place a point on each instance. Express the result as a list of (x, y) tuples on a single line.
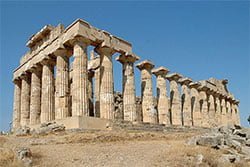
[(24, 154)]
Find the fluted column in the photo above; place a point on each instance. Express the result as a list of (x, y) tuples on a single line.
[(106, 82), (128, 86), (80, 80), (97, 92), (204, 106), (237, 112), (35, 101), (186, 102), (175, 102), (90, 93), (211, 109), (48, 91), (25, 100), (16, 105), (149, 113), (223, 111), (218, 109), (62, 86), (195, 104), (229, 112), (162, 99)]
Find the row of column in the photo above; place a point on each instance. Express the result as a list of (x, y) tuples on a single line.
[(40, 98), (194, 105)]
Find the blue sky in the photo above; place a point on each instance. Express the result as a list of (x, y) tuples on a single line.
[(197, 39)]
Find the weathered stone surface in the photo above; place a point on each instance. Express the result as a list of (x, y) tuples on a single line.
[(195, 103), (187, 116), (212, 140), (48, 91), (80, 80), (106, 94), (24, 154), (90, 93), (25, 100), (62, 86), (148, 110), (16, 105), (22, 131), (119, 112), (204, 106), (128, 80), (175, 101), (162, 99), (227, 138), (225, 158), (49, 127), (35, 96), (97, 89)]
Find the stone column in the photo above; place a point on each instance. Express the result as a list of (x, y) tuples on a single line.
[(211, 108), (62, 85), (128, 86), (80, 80), (175, 102), (204, 105), (223, 111), (162, 99), (97, 92), (16, 105), (48, 91), (237, 112), (35, 100), (106, 82), (186, 102), (25, 100), (90, 93), (195, 104), (218, 109), (229, 112), (148, 111)]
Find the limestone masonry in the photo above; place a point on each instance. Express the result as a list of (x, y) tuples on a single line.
[(48, 87)]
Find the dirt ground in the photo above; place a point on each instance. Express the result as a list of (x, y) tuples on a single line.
[(111, 148)]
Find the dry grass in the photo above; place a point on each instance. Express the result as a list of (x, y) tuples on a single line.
[(178, 153)]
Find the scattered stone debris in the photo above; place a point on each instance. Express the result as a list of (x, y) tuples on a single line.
[(24, 154), (22, 131), (234, 139), (49, 127), (45, 128)]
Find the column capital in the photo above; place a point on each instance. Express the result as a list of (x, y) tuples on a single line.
[(17, 81), (36, 68), (223, 96), (162, 71), (48, 61), (211, 91), (127, 57), (81, 41), (173, 76), (102, 49), (25, 75), (203, 88), (146, 64), (194, 85), (63, 52), (185, 81)]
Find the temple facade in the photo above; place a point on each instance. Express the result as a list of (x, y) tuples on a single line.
[(48, 86)]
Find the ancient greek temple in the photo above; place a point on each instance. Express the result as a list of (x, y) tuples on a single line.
[(59, 80)]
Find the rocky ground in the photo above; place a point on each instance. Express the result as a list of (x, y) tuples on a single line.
[(77, 148)]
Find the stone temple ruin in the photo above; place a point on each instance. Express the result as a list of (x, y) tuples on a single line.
[(81, 94)]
